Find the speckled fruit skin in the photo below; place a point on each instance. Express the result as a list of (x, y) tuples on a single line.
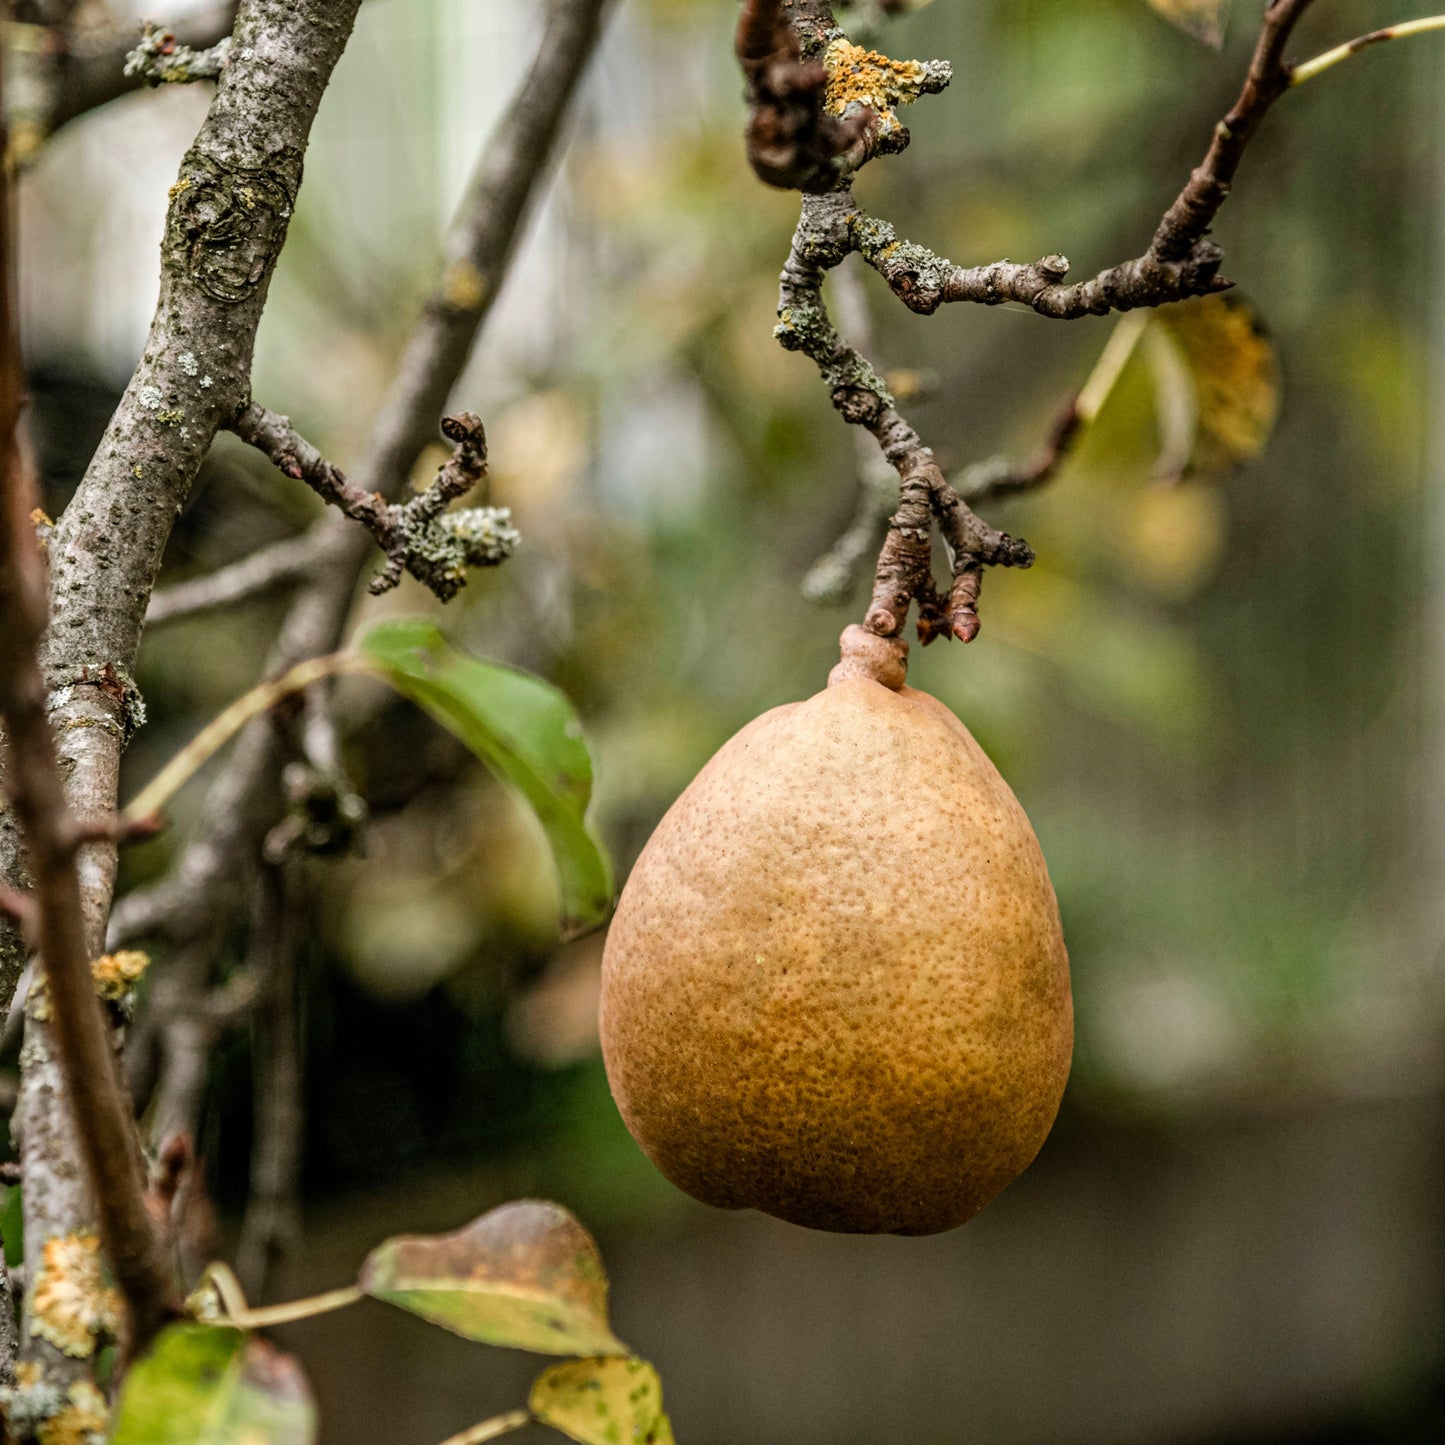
[(836, 988)]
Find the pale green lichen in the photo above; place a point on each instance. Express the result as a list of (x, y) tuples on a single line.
[(82, 1420), (879, 245), (160, 59), (446, 547), (31, 1401), (804, 326)]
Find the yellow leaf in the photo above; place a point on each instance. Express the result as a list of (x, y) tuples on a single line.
[(616, 1400), (1216, 383), (1204, 19)]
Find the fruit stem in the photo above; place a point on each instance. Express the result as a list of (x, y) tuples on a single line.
[(877, 659)]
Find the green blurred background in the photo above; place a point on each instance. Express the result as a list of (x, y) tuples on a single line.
[(1222, 706)]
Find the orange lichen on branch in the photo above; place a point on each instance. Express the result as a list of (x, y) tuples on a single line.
[(70, 1304), (82, 1420), (858, 77), (116, 974)]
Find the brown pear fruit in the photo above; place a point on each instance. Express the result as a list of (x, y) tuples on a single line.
[(835, 988)]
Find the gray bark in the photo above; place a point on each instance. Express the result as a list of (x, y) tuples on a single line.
[(227, 220), (246, 801)]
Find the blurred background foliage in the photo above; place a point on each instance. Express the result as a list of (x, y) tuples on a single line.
[(1221, 706)]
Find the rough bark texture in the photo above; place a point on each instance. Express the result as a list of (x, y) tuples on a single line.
[(211, 876), (822, 241), (226, 223)]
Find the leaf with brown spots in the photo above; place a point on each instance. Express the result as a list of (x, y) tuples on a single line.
[(613, 1401), (1203, 19), (1216, 385), (527, 1276)]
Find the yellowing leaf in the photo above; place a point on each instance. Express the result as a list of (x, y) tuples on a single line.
[(1216, 383), (613, 1401), (527, 1276), (1204, 19)]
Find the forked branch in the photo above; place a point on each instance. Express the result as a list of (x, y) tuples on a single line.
[(419, 536), (789, 143)]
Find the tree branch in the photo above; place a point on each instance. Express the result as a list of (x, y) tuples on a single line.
[(271, 1221), (419, 536), (100, 1110), (1321, 63), (227, 220), (161, 59), (821, 242), (247, 800), (63, 81), (261, 572), (1179, 263)]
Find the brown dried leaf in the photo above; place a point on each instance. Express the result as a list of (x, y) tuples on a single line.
[(1216, 382), (1204, 19), (527, 1276)]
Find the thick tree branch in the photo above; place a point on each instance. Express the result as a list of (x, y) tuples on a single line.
[(246, 802), (100, 1109), (418, 536), (227, 220)]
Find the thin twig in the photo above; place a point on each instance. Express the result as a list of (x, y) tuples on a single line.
[(234, 1310), (272, 1219), (491, 1429), (1311, 68), (152, 799), (263, 571), (419, 536), (161, 59)]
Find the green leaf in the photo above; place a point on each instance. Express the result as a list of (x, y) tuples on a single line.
[(207, 1385), (1204, 19), (524, 730), (527, 1276), (612, 1401), (12, 1224), (1216, 386)]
